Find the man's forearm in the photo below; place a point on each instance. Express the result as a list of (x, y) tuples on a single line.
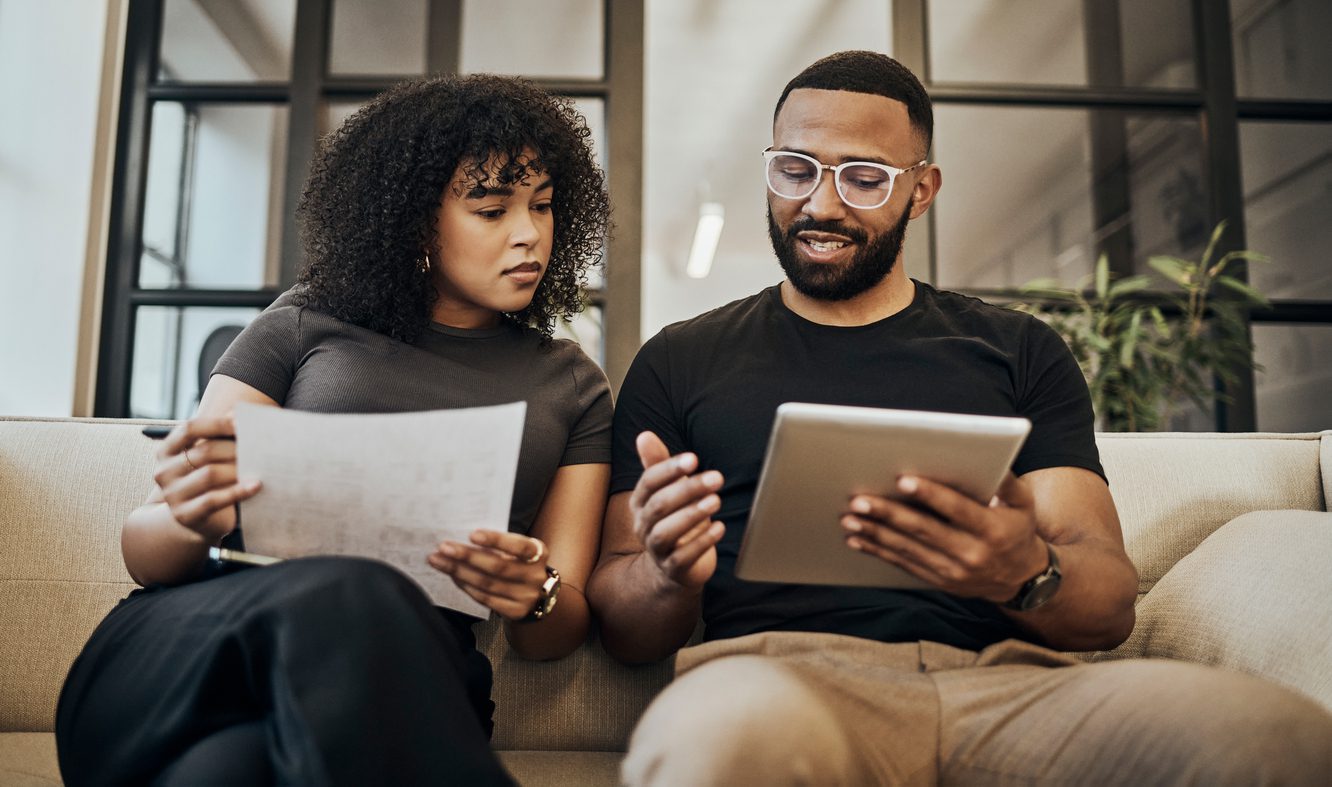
[(643, 616), (1093, 609)]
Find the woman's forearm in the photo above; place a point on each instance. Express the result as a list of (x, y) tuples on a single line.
[(158, 549)]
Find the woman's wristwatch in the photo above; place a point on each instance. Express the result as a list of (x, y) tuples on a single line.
[(550, 590)]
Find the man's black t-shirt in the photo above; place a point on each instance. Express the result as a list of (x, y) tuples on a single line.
[(712, 385)]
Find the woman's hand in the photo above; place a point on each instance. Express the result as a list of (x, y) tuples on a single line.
[(504, 571), (196, 473)]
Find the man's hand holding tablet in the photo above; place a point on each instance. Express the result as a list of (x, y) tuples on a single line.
[(893, 498)]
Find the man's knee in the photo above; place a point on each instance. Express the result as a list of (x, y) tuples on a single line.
[(739, 720)]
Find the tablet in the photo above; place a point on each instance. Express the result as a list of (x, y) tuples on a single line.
[(820, 455)]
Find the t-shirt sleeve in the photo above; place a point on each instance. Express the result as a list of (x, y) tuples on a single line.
[(590, 435), (1053, 394), (266, 354), (645, 404)]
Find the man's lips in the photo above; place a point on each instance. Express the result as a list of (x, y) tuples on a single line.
[(823, 246)]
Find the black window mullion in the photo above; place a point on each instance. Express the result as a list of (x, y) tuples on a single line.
[(309, 64), (444, 36), (623, 69), (129, 181), (1220, 116)]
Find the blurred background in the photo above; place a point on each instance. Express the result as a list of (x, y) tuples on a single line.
[(152, 152)]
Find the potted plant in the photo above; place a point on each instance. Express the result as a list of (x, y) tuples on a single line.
[(1146, 352)]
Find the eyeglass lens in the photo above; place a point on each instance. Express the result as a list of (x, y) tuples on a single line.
[(862, 186)]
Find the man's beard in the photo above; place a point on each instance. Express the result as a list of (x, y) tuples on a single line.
[(837, 282)]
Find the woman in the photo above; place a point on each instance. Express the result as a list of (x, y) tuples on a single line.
[(447, 226)]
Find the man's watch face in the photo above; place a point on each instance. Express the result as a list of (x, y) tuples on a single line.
[(1043, 591)]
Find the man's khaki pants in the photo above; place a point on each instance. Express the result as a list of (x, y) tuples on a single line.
[(823, 709)]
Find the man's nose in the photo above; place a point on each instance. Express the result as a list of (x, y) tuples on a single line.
[(825, 204)]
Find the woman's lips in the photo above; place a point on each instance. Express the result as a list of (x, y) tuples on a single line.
[(527, 273)]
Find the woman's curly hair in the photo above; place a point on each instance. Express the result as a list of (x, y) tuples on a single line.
[(369, 208)]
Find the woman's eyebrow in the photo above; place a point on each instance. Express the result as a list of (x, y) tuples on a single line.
[(481, 190)]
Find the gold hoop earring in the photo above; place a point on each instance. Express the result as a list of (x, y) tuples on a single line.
[(425, 263)]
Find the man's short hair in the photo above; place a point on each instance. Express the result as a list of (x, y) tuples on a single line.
[(859, 71)]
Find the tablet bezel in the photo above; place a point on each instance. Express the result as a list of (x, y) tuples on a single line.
[(820, 455)]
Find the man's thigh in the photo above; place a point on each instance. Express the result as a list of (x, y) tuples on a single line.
[(791, 709), (1126, 722)]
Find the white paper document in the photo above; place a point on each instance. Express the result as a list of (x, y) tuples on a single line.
[(388, 487)]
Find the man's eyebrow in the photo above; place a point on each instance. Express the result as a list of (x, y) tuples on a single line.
[(844, 159)]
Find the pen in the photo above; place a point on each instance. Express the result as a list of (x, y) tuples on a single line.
[(236, 556), (160, 432)]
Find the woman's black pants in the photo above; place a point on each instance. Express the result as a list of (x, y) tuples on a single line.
[(322, 671)]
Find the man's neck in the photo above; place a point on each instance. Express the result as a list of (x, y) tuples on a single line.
[(881, 301)]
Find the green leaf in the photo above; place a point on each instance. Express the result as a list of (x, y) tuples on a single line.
[(1128, 349), (1211, 244), (1238, 286), (1128, 285), (1173, 268), (1102, 276)]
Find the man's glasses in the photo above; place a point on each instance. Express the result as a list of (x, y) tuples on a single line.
[(863, 185)]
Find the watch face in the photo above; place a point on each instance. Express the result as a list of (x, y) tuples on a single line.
[(1042, 592)]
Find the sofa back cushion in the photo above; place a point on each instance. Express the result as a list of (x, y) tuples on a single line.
[(65, 488), (1174, 490)]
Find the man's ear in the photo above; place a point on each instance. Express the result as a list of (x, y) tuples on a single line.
[(926, 189)]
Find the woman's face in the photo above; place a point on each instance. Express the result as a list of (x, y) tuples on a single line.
[(494, 245)]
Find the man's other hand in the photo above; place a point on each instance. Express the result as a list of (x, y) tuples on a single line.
[(672, 507)]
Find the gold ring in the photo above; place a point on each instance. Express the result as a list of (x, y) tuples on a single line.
[(186, 454), (540, 553)]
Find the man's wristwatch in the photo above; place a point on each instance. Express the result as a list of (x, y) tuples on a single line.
[(550, 589), (1040, 588)]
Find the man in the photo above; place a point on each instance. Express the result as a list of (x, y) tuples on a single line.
[(830, 685)]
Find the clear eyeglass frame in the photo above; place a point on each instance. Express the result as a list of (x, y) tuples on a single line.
[(837, 170)]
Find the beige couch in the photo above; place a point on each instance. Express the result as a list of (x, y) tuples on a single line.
[(1256, 596)]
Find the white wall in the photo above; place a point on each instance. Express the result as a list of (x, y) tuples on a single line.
[(50, 78)]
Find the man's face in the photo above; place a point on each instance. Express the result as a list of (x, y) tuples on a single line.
[(828, 250)]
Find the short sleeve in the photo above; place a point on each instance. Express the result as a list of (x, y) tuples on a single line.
[(266, 354), (1053, 395), (590, 435), (645, 404)]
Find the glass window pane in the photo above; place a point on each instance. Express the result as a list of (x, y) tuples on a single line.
[(212, 213), (1281, 48), (174, 352), (226, 40), (379, 37), (585, 328), (1292, 388), (552, 38), (1039, 192), (1287, 171), (1134, 43)]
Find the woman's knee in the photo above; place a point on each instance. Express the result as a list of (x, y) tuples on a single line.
[(352, 590)]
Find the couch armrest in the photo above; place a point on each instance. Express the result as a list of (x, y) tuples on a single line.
[(1255, 596)]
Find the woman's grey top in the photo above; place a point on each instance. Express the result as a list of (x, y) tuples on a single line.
[(306, 360)]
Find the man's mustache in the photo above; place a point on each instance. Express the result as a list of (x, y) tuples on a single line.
[(831, 227)]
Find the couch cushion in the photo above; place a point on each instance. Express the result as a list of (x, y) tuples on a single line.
[(1173, 490), (28, 759), (587, 701), (1255, 596), (563, 768), (58, 582)]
